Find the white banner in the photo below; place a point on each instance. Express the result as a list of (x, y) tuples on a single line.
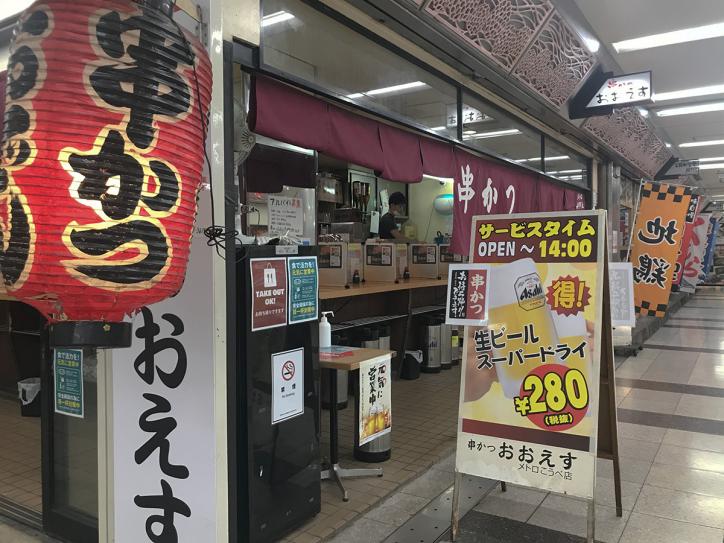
[(620, 278), (163, 414), (695, 258), (375, 399)]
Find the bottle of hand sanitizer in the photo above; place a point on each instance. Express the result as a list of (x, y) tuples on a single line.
[(325, 330)]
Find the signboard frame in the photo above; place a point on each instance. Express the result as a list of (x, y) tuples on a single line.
[(603, 438)]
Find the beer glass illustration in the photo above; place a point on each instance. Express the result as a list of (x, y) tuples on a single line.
[(517, 301)]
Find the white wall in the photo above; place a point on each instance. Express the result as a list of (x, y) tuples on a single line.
[(421, 212)]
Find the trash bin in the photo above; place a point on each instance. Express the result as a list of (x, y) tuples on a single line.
[(384, 337), (370, 337), (446, 346), (457, 345), (410, 369), (29, 395), (431, 332)]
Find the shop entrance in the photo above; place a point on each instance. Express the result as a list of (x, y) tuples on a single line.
[(48, 461)]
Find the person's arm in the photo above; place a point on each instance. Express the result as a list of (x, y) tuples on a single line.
[(399, 236)]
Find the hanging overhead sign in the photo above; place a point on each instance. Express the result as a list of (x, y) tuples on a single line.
[(676, 168), (603, 92)]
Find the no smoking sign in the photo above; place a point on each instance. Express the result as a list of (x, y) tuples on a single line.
[(288, 370)]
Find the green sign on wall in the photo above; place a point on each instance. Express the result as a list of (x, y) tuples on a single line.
[(68, 372)]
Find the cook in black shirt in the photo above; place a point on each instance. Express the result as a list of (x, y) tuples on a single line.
[(388, 226)]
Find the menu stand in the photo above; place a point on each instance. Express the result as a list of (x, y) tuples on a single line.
[(336, 472)]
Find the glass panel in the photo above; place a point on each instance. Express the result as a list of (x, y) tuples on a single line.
[(489, 129), (564, 164), (301, 41), (75, 450)]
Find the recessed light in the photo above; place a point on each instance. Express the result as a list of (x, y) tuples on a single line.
[(276, 17), (670, 38), (688, 110), (668, 145), (688, 93), (706, 143), (643, 111)]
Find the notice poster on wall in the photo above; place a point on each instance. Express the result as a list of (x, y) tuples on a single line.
[(375, 398), (269, 292), (286, 215), (287, 385), (620, 278), (468, 292), (303, 288), (68, 374), (657, 236), (530, 380)]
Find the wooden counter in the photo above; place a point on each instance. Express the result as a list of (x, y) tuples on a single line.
[(378, 287), (352, 361)]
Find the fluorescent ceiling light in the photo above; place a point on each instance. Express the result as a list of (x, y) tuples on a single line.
[(438, 128), (493, 134), (469, 132), (670, 38), (570, 171), (276, 17), (548, 158), (668, 145), (688, 93), (687, 110), (13, 7), (712, 159), (388, 90), (715, 166), (643, 111), (701, 143)]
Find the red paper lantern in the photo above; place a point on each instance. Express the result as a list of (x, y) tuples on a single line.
[(105, 116)]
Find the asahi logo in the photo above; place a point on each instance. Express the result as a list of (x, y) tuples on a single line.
[(529, 292)]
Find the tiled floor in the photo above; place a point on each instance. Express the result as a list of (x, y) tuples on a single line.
[(672, 477), (424, 426), (20, 476)]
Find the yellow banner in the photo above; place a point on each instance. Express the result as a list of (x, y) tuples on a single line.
[(656, 239)]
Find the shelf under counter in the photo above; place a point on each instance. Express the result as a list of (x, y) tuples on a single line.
[(378, 287)]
